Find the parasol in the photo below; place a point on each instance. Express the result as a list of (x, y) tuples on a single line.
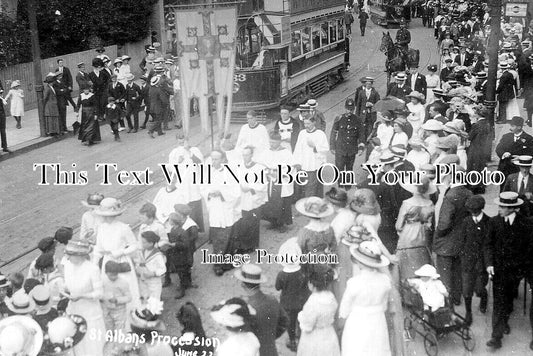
[(391, 103)]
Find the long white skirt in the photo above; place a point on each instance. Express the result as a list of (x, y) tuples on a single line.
[(366, 333)]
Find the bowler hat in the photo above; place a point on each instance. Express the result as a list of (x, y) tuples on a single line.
[(350, 103), (517, 121)]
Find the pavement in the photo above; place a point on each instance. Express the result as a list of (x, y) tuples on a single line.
[(30, 211)]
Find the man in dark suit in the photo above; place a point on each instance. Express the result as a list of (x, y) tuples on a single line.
[(157, 106), (66, 79), (514, 143), (117, 91), (507, 253), (481, 85), (82, 78), (365, 98), (477, 62), (506, 91), (446, 71), (448, 237), (522, 183), (3, 136), (133, 99), (272, 320), (145, 99), (416, 81), (288, 128), (463, 58), (399, 89), (347, 138), (62, 94), (474, 274)]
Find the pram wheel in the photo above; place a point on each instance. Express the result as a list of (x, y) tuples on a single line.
[(469, 341), (409, 328), (430, 344)]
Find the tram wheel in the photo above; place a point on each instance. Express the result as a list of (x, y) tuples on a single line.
[(430, 344)]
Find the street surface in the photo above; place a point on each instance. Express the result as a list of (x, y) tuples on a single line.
[(29, 212)]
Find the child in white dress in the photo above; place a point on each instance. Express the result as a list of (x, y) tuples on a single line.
[(430, 287), (17, 102)]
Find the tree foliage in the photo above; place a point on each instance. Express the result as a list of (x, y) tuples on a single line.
[(81, 24), (15, 45)]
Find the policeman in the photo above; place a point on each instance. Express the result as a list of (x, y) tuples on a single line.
[(403, 37), (347, 138)]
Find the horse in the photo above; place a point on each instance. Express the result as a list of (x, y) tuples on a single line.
[(396, 61)]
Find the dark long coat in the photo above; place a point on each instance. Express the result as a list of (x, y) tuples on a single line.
[(506, 87), (479, 151), (524, 146), (472, 259), (511, 185)]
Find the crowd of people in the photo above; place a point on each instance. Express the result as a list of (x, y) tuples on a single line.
[(433, 236)]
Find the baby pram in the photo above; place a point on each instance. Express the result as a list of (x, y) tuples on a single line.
[(435, 325)]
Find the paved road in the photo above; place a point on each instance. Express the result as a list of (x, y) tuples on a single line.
[(29, 211)]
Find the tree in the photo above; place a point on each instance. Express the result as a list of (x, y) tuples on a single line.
[(15, 45)]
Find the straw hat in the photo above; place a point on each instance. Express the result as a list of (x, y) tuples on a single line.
[(130, 77), (303, 107), (503, 65), (93, 200), (355, 235), (427, 271), (453, 128), (78, 248), (63, 333), (419, 96), (364, 202), (508, 199), (445, 143), (155, 80), (290, 247), (15, 83), (20, 335), (432, 125), (367, 79), (232, 312), (369, 254), (314, 207), (41, 296), (400, 76), (20, 303), (524, 161), (250, 273), (125, 57), (109, 207), (312, 103), (337, 197)]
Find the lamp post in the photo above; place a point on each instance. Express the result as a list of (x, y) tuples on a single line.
[(36, 54), (495, 7)]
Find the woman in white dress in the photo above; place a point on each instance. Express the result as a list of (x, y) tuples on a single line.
[(417, 111), (383, 136), (363, 306), (116, 242), (400, 136), (433, 82), (317, 317), (17, 102), (89, 220), (84, 288), (239, 319), (432, 128), (418, 155)]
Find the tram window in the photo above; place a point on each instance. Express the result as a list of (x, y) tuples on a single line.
[(316, 37), (306, 39), (324, 33), (296, 44), (333, 31), (340, 26)]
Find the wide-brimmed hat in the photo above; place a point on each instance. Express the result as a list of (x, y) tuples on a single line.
[(314, 207), (109, 207), (400, 76), (438, 92), (481, 75), (503, 65), (416, 141), (369, 254), (388, 157), (364, 202), (417, 95), (130, 77), (290, 247), (63, 333), (356, 234), (432, 125), (117, 60), (524, 161), (453, 128), (146, 317), (78, 248), (337, 197), (508, 199), (20, 303), (20, 335), (445, 143), (367, 79), (93, 200), (125, 57), (250, 273), (232, 313), (427, 271), (15, 83), (312, 103)]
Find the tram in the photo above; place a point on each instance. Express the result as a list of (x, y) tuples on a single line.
[(389, 12), (287, 51)]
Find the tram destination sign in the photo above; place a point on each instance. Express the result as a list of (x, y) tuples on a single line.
[(516, 9), (299, 6)]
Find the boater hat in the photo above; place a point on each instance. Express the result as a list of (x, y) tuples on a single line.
[(400, 76), (369, 253), (524, 161), (314, 207), (20, 303), (250, 273), (508, 199), (367, 79)]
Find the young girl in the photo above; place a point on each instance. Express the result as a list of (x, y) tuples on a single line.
[(430, 287), (17, 102)]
